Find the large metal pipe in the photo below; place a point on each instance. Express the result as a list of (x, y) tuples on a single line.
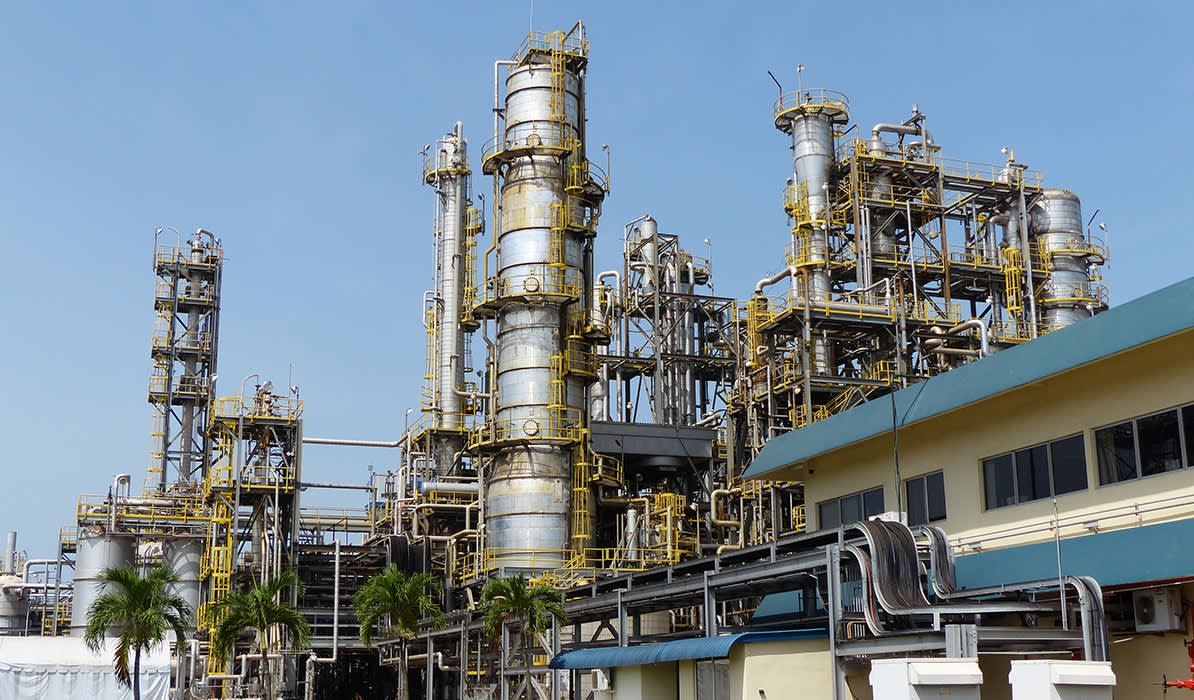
[(352, 443)]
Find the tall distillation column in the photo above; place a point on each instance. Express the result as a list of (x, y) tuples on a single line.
[(187, 301), (447, 170), (809, 119), (547, 215)]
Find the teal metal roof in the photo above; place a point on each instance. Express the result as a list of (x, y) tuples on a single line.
[(1151, 317), (678, 650)]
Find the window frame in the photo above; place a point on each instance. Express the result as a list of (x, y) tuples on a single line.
[(924, 479), (862, 505), (1186, 458), (1048, 448)]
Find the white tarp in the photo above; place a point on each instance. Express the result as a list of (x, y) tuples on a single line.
[(55, 668)]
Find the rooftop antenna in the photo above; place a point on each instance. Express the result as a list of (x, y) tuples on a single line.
[(781, 87), (799, 82)]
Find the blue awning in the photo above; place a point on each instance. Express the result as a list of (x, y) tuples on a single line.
[(679, 650)]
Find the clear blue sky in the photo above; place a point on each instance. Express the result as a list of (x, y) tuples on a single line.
[(292, 130)]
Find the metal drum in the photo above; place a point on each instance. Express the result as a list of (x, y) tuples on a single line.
[(14, 604), (183, 556), (96, 552)]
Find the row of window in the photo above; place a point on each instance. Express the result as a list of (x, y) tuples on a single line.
[(1162, 442), (1153, 444), (925, 499), (1035, 472)]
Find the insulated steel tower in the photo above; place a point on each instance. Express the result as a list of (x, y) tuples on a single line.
[(187, 302), (547, 212), (449, 307)]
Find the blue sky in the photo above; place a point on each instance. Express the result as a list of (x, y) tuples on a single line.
[(292, 130)]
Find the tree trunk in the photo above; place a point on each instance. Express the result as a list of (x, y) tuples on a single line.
[(137, 674), (265, 676), (403, 669), (526, 660)]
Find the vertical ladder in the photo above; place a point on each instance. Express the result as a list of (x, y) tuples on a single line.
[(1013, 271)]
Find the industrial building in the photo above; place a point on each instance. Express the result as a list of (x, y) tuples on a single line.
[(864, 461)]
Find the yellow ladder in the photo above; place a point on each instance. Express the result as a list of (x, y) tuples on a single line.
[(556, 58), (1013, 270), (558, 371), (559, 224)]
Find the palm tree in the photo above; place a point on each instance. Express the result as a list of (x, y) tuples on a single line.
[(143, 609), (260, 610), (513, 599), (404, 599)]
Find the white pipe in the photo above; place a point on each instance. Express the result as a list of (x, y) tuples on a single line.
[(768, 281), (497, 108), (984, 336), (351, 443), (449, 487), (917, 130)]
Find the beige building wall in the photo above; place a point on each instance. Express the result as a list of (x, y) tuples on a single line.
[(795, 668), (1137, 382), (650, 682)]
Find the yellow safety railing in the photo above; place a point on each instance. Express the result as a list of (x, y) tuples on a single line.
[(186, 292), (195, 387), (183, 512), (556, 41), (796, 204), (266, 406), (886, 371), (536, 424), (541, 280), (811, 99), (207, 257), (798, 519)]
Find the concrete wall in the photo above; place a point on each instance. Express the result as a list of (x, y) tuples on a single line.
[(1137, 382), (651, 682), (775, 670)]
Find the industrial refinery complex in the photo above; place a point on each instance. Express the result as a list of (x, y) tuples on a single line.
[(922, 458)]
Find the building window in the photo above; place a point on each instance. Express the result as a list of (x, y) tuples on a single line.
[(1145, 446), (850, 509), (926, 498), (1036, 472)]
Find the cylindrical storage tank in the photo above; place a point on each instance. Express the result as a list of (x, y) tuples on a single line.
[(1056, 222), (96, 552), (14, 604), (183, 557)]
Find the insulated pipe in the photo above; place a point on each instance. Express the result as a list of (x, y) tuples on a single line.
[(915, 130), (351, 443), (789, 271), (448, 487), (984, 337)]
